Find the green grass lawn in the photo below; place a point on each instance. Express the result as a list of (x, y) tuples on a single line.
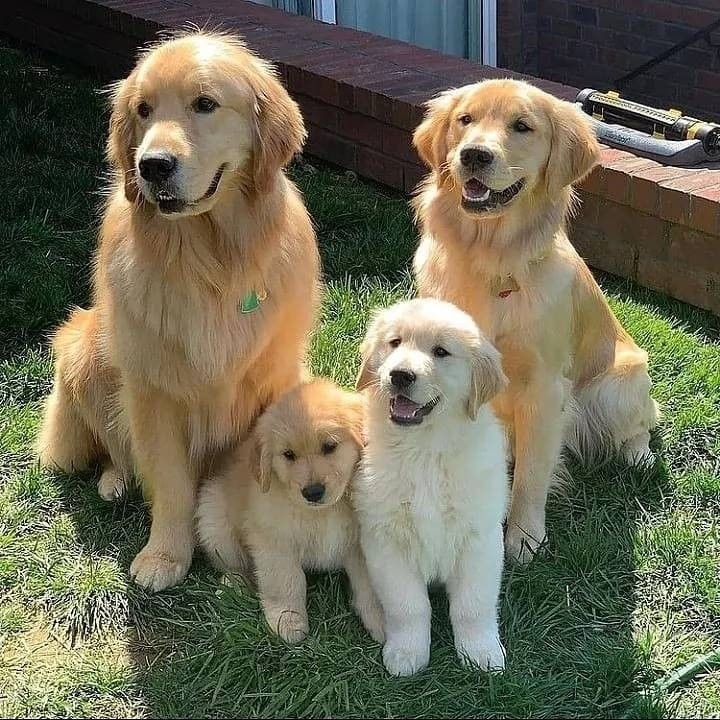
[(627, 591)]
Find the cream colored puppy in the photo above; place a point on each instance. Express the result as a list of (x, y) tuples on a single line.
[(281, 503), (432, 491)]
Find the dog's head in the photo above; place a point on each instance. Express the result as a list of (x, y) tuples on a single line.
[(496, 142), (309, 441), (199, 115), (423, 357)]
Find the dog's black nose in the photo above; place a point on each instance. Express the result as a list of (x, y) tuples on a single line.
[(402, 379), (156, 167), (313, 493), (476, 155)]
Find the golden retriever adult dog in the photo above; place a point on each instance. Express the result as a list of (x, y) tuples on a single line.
[(205, 286), (493, 212), (281, 503)]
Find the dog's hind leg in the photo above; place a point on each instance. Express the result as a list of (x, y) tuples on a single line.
[(616, 412), (65, 441)]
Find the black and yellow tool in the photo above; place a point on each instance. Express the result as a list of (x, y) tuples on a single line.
[(664, 135)]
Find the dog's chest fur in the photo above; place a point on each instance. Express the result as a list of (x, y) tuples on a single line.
[(320, 538), (428, 501)]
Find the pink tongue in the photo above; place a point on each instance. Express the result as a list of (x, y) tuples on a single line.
[(404, 407), (474, 188)]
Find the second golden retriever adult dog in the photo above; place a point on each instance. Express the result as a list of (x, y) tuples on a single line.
[(493, 212), (205, 287)]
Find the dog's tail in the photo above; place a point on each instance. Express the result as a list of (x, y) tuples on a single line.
[(65, 440), (215, 530)]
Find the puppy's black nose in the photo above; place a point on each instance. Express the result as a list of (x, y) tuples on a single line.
[(476, 155), (313, 493), (156, 167), (402, 379)]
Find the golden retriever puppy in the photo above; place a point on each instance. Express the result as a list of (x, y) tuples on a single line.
[(493, 212), (205, 287), (283, 499), (432, 492)]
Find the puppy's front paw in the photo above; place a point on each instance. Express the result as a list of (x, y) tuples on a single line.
[(524, 538), (291, 625), (157, 569), (371, 615), (402, 659), (483, 653)]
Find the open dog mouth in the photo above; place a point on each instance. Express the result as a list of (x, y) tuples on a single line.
[(169, 203), (478, 197), (404, 411)]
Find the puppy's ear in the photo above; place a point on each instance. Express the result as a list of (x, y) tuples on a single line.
[(487, 378), (430, 137), (365, 376), (120, 151), (262, 462), (356, 423), (574, 148), (279, 128)]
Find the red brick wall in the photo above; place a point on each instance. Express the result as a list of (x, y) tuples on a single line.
[(517, 32), (591, 43)]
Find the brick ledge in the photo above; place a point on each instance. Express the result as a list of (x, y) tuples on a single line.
[(362, 96)]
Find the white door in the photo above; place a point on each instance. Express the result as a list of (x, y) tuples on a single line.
[(466, 28)]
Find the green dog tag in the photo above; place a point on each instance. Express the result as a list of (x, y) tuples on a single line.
[(251, 302)]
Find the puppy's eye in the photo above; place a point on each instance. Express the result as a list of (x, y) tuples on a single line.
[(204, 105), (395, 342), (290, 455), (465, 119), (328, 447), (521, 126), (440, 352), (144, 110)]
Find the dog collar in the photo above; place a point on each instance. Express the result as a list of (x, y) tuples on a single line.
[(252, 300), (507, 286)]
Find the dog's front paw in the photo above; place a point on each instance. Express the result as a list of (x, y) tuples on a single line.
[(405, 658), (373, 620), (111, 485), (157, 569), (524, 539), (291, 625), (371, 615), (483, 653)]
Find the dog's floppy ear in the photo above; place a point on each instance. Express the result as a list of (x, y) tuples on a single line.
[(430, 137), (120, 139), (487, 378), (279, 128), (365, 376), (356, 423), (261, 461), (574, 149)]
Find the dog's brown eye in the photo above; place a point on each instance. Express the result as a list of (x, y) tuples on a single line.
[(144, 110), (521, 127), (465, 119), (328, 447), (440, 352), (395, 342), (290, 455), (204, 104)]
